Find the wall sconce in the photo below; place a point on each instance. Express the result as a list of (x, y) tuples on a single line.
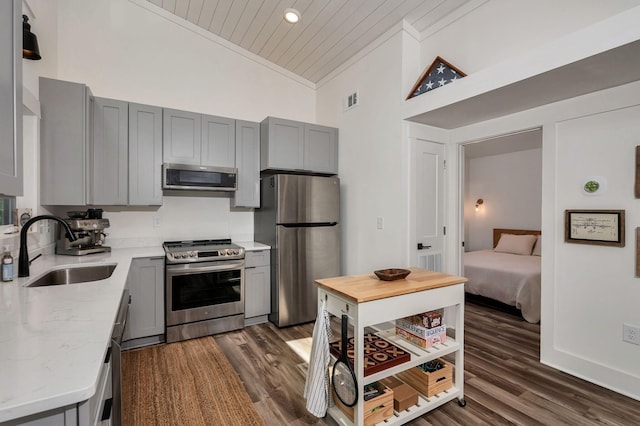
[(30, 48), (479, 202)]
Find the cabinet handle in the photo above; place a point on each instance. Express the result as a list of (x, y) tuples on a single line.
[(106, 410)]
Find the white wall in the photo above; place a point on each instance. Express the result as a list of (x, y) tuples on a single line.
[(373, 161), (511, 187), (587, 291), (493, 33), (136, 52), (501, 29)]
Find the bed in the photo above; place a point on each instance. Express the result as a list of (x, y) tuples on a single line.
[(510, 273)]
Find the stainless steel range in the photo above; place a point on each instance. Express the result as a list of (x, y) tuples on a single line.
[(204, 288)]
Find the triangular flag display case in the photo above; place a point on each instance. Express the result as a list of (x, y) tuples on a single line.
[(439, 73)]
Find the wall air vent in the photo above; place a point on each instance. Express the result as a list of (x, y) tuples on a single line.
[(353, 100)]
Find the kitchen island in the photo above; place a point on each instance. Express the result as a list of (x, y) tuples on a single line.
[(54, 340), (374, 304)]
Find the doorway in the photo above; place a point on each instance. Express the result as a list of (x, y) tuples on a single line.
[(501, 188)]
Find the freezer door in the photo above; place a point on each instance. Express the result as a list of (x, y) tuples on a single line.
[(303, 254), (307, 199)]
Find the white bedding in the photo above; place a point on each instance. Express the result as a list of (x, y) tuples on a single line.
[(508, 278)]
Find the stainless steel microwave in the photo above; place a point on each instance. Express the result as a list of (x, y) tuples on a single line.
[(201, 178)]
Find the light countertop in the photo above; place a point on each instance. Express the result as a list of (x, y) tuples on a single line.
[(367, 287), (53, 340), (252, 245)]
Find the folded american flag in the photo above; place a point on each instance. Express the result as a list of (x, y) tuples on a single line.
[(437, 75)]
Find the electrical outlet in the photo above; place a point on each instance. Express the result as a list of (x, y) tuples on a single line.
[(157, 222), (631, 334), (380, 222)]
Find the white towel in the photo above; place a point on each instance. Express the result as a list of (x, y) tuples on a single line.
[(316, 388)]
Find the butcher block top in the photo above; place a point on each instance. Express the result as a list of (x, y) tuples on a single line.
[(367, 287)]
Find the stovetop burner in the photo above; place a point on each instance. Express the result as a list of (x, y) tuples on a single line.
[(202, 250)]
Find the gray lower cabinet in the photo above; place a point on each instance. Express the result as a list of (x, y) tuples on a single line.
[(108, 152), (248, 163), (11, 98), (257, 289), (66, 129), (198, 139), (145, 155), (295, 146), (146, 312)]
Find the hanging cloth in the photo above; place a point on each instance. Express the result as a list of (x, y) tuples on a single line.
[(316, 388)]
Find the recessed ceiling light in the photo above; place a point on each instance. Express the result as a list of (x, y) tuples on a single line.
[(291, 15)]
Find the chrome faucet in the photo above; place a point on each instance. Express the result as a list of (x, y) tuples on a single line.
[(23, 257)]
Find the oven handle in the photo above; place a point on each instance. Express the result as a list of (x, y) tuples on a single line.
[(189, 268)]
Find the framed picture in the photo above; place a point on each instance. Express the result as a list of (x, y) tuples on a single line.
[(598, 227)]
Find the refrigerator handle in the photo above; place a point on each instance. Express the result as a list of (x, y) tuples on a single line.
[(307, 225)]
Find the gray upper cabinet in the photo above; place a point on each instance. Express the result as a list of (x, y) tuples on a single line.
[(66, 129), (11, 98), (181, 137), (218, 141), (198, 139), (296, 146), (320, 148), (109, 153), (248, 163), (281, 144), (145, 155), (98, 151)]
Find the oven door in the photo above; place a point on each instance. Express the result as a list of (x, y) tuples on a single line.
[(201, 291)]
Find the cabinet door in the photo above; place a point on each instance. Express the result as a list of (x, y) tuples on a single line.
[(320, 149), (218, 141), (145, 155), (181, 137), (146, 285), (248, 163), (109, 153), (66, 110), (282, 146), (10, 98), (257, 292)]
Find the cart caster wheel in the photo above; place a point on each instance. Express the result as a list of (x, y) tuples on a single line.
[(462, 402)]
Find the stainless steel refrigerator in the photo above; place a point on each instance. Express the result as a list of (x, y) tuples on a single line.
[(299, 218)]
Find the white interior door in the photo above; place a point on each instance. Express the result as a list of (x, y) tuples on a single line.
[(429, 198)]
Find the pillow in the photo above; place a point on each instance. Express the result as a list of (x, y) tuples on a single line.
[(516, 244), (537, 249)]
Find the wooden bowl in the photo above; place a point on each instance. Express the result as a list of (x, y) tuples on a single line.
[(392, 274)]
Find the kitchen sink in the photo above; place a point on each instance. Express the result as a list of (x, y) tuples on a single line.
[(74, 275)]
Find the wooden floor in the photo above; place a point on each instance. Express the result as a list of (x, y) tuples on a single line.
[(504, 382)]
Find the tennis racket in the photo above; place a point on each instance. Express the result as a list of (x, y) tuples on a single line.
[(343, 377)]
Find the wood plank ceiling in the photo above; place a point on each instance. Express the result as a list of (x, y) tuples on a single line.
[(328, 34)]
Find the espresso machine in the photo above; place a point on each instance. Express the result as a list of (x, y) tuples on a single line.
[(90, 236)]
